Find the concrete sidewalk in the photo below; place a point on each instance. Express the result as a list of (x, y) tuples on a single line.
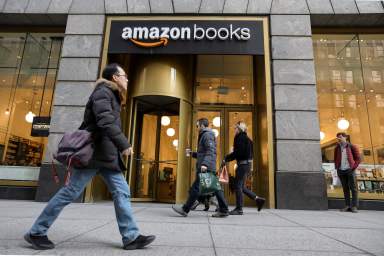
[(90, 229)]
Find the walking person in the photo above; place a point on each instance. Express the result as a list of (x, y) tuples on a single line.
[(102, 119), (243, 154), (347, 159), (206, 162)]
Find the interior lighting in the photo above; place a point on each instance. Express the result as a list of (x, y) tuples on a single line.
[(7, 112), (175, 143), (322, 135), (165, 120), (216, 121), (171, 132), (343, 124), (29, 117)]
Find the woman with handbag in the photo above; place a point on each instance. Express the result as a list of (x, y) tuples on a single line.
[(243, 154)]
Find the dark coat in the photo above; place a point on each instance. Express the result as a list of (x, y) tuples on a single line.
[(102, 118), (242, 148), (353, 156), (206, 150)]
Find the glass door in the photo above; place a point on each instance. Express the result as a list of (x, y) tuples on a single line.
[(153, 172), (222, 121)]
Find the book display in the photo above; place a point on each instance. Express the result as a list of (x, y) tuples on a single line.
[(23, 152), (369, 178)]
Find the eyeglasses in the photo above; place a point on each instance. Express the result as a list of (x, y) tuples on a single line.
[(125, 75)]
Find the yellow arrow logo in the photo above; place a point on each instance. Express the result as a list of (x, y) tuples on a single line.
[(163, 41)]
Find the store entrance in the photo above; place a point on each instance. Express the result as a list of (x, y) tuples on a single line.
[(154, 163)]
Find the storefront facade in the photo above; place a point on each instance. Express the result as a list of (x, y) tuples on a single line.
[(297, 71)]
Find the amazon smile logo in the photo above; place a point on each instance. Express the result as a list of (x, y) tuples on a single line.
[(160, 36)]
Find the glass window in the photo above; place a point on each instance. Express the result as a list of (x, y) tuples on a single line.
[(224, 79), (28, 68), (349, 77)]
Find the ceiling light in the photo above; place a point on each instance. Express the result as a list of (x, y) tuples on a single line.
[(216, 121), (7, 112), (165, 120), (343, 124), (175, 143), (171, 132), (29, 117)]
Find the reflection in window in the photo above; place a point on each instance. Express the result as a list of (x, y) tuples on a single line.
[(28, 68), (224, 79), (349, 76)]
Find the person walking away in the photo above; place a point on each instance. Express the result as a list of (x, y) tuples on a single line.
[(102, 119), (347, 159), (243, 154), (206, 162)]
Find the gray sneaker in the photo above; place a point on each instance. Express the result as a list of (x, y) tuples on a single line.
[(354, 209), (179, 210)]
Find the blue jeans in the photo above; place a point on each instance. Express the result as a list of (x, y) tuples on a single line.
[(116, 184)]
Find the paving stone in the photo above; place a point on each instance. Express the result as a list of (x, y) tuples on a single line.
[(366, 239), (267, 237), (251, 252), (114, 248)]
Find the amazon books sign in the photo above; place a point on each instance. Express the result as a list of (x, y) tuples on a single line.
[(186, 37)]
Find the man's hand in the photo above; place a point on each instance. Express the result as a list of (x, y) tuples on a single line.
[(127, 152), (203, 168)]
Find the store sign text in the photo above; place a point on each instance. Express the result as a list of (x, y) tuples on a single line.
[(141, 35)]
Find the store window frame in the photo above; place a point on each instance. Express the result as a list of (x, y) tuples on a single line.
[(358, 33), (56, 32)]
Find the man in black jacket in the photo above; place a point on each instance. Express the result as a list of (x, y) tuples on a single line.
[(102, 118), (206, 162), (243, 153)]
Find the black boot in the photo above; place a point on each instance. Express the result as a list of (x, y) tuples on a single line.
[(39, 242), (259, 203)]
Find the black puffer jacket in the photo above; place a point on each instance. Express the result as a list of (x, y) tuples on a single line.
[(206, 150), (102, 118), (242, 148)]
